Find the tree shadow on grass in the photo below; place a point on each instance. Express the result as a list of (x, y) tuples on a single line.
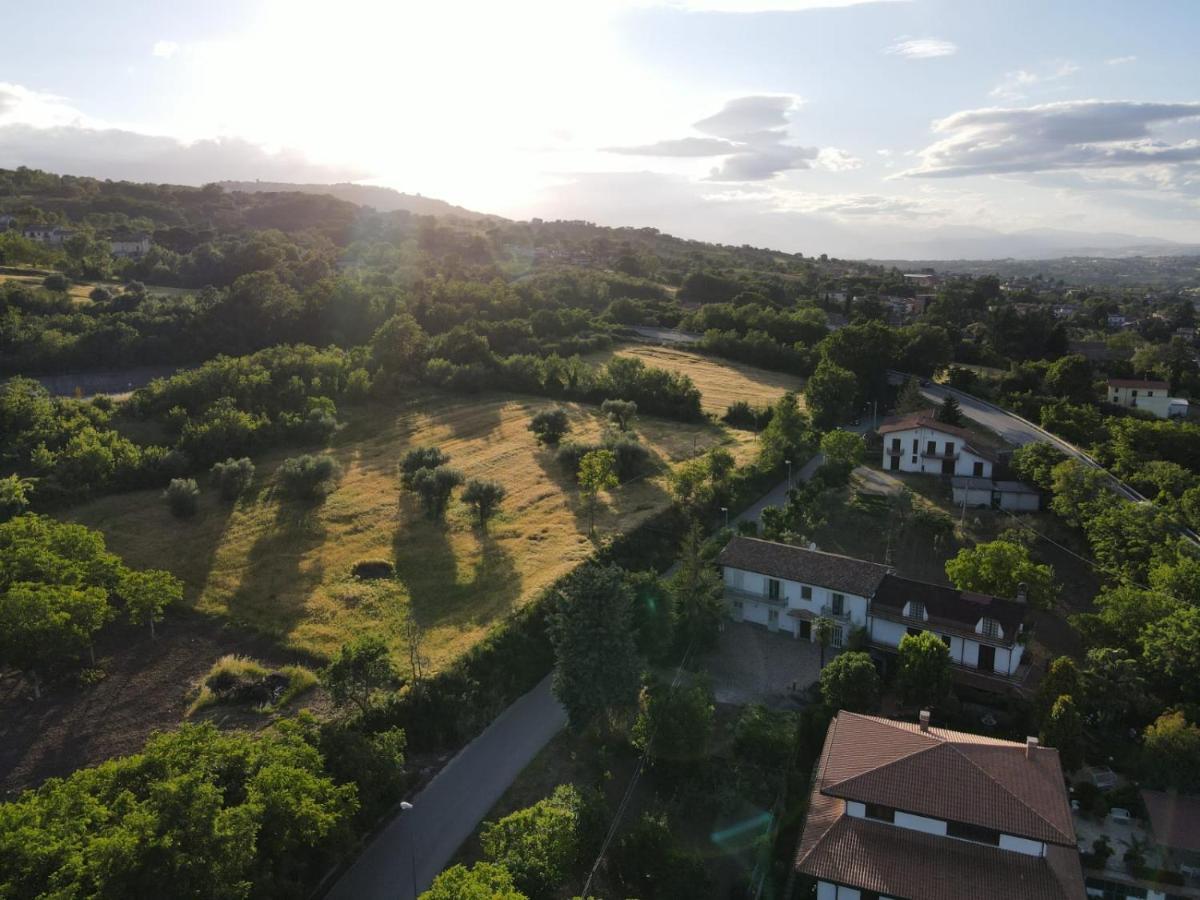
[(440, 592), (275, 584)]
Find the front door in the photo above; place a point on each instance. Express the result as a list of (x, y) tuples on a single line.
[(805, 630), (987, 658), (773, 619), (947, 467)]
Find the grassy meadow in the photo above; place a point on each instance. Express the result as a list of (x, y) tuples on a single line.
[(284, 568)]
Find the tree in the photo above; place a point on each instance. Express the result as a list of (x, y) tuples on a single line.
[(924, 669), (766, 738), (1114, 691), (911, 400), (844, 448), (675, 724), (1035, 463), (651, 863), (43, 626), (362, 668), (823, 632), (485, 496), (830, 394), (400, 346), (597, 669), (308, 477), (597, 472), (720, 464), (1061, 678), (621, 412), (183, 497), (543, 845), (1171, 653), (1070, 377), (549, 426), (483, 881), (1171, 753), (787, 435), (1122, 615), (1063, 730), (419, 458), (697, 594), (147, 593), (14, 495), (851, 682), (434, 487), (233, 477), (949, 413), (1000, 568)]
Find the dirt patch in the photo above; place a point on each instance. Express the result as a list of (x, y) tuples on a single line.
[(144, 690)]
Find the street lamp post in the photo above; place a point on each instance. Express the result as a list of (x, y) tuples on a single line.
[(405, 806), (789, 465), (725, 509)]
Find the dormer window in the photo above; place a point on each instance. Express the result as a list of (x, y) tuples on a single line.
[(916, 610), (990, 628)]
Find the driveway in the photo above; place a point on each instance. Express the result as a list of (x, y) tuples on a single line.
[(446, 812), (753, 665)]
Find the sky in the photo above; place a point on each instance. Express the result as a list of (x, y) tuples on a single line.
[(835, 126)]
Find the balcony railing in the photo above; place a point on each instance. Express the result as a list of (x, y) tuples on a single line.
[(738, 594), (939, 454), (843, 616)]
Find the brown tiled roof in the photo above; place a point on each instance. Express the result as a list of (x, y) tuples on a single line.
[(949, 606), (1175, 819), (926, 420), (987, 782), (829, 570), (1137, 383)]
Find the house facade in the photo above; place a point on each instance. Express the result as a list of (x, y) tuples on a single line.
[(130, 245), (787, 588), (53, 235), (918, 443), (1152, 396), (909, 812)]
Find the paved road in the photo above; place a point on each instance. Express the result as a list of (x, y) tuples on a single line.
[(446, 812)]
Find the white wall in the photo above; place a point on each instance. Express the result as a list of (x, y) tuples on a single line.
[(1019, 502), (1022, 845), (977, 498), (854, 606), (963, 652), (964, 465), (1159, 403), (920, 823)]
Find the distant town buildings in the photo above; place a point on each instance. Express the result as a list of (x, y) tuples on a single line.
[(53, 235), (130, 245)]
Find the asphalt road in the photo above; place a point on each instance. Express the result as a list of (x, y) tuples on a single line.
[(418, 843)]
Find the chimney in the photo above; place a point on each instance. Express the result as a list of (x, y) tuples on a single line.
[(1031, 744), (1022, 593), (924, 720)]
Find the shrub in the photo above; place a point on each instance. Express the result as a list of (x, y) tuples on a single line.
[(308, 477), (183, 497), (239, 680), (630, 456), (571, 453), (746, 417), (550, 425), (435, 486), (420, 458), (233, 477), (485, 496), (56, 282), (100, 294), (368, 569)]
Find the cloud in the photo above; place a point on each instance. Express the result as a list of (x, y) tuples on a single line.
[(922, 48), (127, 155), (748, 117), (1015, 84), (837, 160), (1077, 134), (760, 6), (164, 49), (20, 104), (1120, 60), (688, 146)]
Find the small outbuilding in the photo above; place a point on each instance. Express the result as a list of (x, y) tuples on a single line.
[(983, 493)]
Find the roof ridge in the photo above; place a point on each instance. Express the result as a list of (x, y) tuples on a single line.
[(936, 741), (992, 778), (857, 559)]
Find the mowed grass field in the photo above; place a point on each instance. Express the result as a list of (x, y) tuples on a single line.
[(721, 382), (285, 568), (77, 292)]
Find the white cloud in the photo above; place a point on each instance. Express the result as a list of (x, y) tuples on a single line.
[(1120, 60), (1015, 84), (759, 6), (165, 49), (922, 48), (1077, 134), (681, 147), (837, 160), (19, 104)]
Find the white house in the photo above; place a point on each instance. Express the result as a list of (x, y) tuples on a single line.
[(983, 493), (919, 443), (786, 588), (984, 633), (53, 235), (130, 245), (1151, 396), (904, 810)]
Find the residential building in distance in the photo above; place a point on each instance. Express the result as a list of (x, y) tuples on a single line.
[(54, 235), (901, 810), (1152, 396), (130, 246), (919, 443), (786, 588)]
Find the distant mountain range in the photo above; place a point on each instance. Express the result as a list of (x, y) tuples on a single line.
[(1038, 243), (382, 199)]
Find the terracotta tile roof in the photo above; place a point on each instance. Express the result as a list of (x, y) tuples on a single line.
[(926, 420), (1175, 819), (949, 606), (829, 570), (945, 774), (1137, 383)]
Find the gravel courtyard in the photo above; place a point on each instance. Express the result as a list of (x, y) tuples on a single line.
[(753, 665)]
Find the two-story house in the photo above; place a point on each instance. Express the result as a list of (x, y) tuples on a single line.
[(919, 443), (1152, 396), (786, 588), (53, 235), (130, 246), (912, 812)]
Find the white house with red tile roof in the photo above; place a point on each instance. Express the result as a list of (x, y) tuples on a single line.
[(919, 443), (1150, 395), (902, 810)]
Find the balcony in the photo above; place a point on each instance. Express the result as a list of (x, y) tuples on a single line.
[(939, 454), (738, 594), (828, 613)]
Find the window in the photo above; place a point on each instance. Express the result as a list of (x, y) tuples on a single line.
[(977, 470), (916, 609), (949, 448), (879, 812), (1149, 393), (916, 445), (991, 628), (896, 444), (1133, 393), (912, 631), (976, 833), (931, 448), (773, 588), (737, 604), (839, 636), (839, 604), (805, 592)]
